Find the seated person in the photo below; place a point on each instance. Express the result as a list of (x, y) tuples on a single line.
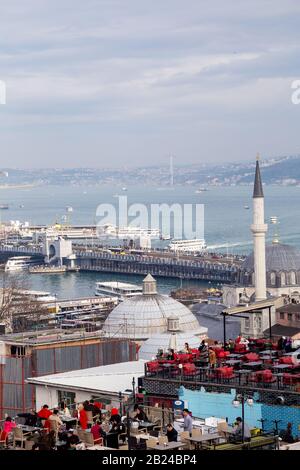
[(171, 355), (95, 409), (238, 431), (172, 434), (44, 412), (9, 425), (97, 432), (140, 415)]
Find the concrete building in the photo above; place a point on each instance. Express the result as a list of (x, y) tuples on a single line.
[(104, 383)]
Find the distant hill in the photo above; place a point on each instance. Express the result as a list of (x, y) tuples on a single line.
[(281, 171)]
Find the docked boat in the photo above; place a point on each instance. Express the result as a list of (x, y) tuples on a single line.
[(47, 269), (131, 232), (200, 190), (19, 263), (122, 290), (4, 206), (195, 245)]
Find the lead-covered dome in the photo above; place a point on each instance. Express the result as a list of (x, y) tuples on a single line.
[(145, 315), (282, 266)]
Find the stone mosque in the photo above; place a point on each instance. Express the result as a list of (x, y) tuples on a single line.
[(270, 270)]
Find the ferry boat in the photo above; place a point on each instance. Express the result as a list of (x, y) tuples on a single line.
[(19, 263), (39, 296), (112, 231), (122, 290), (200, 190), (188, 246), (47, 269), (4, 206)]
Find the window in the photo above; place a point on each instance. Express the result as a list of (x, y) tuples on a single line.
[(281, 316), (290, 317), (273, 279), (297, 316), (292, 278), (283, 279), (247, 323), (67, 397)]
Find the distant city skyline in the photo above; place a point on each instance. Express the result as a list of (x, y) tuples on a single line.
[(116, 83)]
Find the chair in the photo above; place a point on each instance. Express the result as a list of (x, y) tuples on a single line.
[(184, 435), (196, 432), (3, 438), (19, 436), (222, 428)]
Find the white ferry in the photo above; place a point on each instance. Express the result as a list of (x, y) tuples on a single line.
[(122, 290), (188, 246), (39, 296), (19, 263), (127, 232)]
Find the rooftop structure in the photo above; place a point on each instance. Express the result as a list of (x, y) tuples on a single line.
[(146, 315)]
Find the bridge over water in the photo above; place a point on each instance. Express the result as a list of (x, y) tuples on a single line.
[(158, 264)]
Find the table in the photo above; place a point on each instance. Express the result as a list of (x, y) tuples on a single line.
[(282, 366), (98, 447), (233, 362), (204, 438), (26, 428), (146, 424), (169, 446), (242, 372), (254, 364)]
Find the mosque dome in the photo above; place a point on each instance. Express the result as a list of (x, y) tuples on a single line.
[(282, 266), (145, 315)]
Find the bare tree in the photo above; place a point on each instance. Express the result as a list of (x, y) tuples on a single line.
[(18, 310)]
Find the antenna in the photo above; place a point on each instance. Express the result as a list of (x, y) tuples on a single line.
[(171, 171)]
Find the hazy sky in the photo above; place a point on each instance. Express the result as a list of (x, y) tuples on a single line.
[(129, 82)]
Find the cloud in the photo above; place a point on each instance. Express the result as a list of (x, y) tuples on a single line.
[(133, 71)]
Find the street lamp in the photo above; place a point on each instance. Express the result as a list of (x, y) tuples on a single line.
[(240, 400), (133, 389)]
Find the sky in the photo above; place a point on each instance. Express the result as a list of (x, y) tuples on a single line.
[(110, 83)]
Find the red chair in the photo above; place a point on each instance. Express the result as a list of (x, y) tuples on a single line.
[(183, 358), (288, 379), (153, 367), (189, 370), (3, 438), (251, 357), (286, 360), (267, 377), (240, 348)]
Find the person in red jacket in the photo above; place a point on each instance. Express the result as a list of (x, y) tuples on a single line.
[(82, 416), (44, 412)]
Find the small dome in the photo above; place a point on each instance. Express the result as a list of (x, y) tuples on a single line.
[(143, 316)]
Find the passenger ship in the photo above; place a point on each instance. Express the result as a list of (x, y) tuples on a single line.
[(188, 246), (122, 290), (19, 263)]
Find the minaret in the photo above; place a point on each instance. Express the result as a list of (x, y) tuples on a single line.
[(259, 229)]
